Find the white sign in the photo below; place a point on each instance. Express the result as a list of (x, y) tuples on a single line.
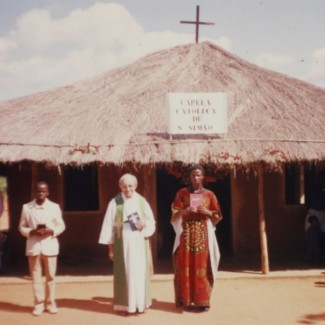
[(197, 113)]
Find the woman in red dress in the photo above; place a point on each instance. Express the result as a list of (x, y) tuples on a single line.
[(195, 212)]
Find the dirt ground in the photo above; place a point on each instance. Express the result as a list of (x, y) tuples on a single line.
[(281, 298)]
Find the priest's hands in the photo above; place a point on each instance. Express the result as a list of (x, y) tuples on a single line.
[(140, 224)]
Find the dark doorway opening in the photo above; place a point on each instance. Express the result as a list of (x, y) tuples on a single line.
[(81, 188), (167, 186), (222, 190)]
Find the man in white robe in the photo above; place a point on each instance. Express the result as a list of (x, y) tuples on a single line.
[(127, 225)]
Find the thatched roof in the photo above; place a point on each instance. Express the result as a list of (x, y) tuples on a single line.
[(272, 117)]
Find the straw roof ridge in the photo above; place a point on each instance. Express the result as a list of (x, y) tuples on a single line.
[(122, 114)]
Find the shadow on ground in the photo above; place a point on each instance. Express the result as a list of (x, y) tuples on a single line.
[(312, 319)]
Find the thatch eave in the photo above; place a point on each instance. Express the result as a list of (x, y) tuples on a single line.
[(219, 152)]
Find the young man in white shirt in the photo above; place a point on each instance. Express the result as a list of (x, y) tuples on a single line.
[(41, 223)]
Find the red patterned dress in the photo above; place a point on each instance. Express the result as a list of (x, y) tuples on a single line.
[(195, 249)]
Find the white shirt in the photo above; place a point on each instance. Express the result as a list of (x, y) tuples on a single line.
[(49, 213)]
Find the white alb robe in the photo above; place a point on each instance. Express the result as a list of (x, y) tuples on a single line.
[(134, 249)]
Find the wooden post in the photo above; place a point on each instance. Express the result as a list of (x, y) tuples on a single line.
[(302, 184), (262, 225)]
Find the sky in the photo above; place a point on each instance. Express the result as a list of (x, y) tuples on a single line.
[(46, 44)]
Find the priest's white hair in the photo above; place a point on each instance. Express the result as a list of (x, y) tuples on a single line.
[(128, 177)]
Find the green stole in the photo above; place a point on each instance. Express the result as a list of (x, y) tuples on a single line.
[(120, 281)]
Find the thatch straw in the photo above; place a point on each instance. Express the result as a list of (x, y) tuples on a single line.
[(272, 117)]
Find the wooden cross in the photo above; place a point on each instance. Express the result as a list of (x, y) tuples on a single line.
[(118, 224), (197, 22)]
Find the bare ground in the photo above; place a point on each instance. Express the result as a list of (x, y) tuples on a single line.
[(241, 297)]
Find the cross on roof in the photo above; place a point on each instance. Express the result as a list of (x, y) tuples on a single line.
[(197, 22)]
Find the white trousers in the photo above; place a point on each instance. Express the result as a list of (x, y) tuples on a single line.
[(44, 294)]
